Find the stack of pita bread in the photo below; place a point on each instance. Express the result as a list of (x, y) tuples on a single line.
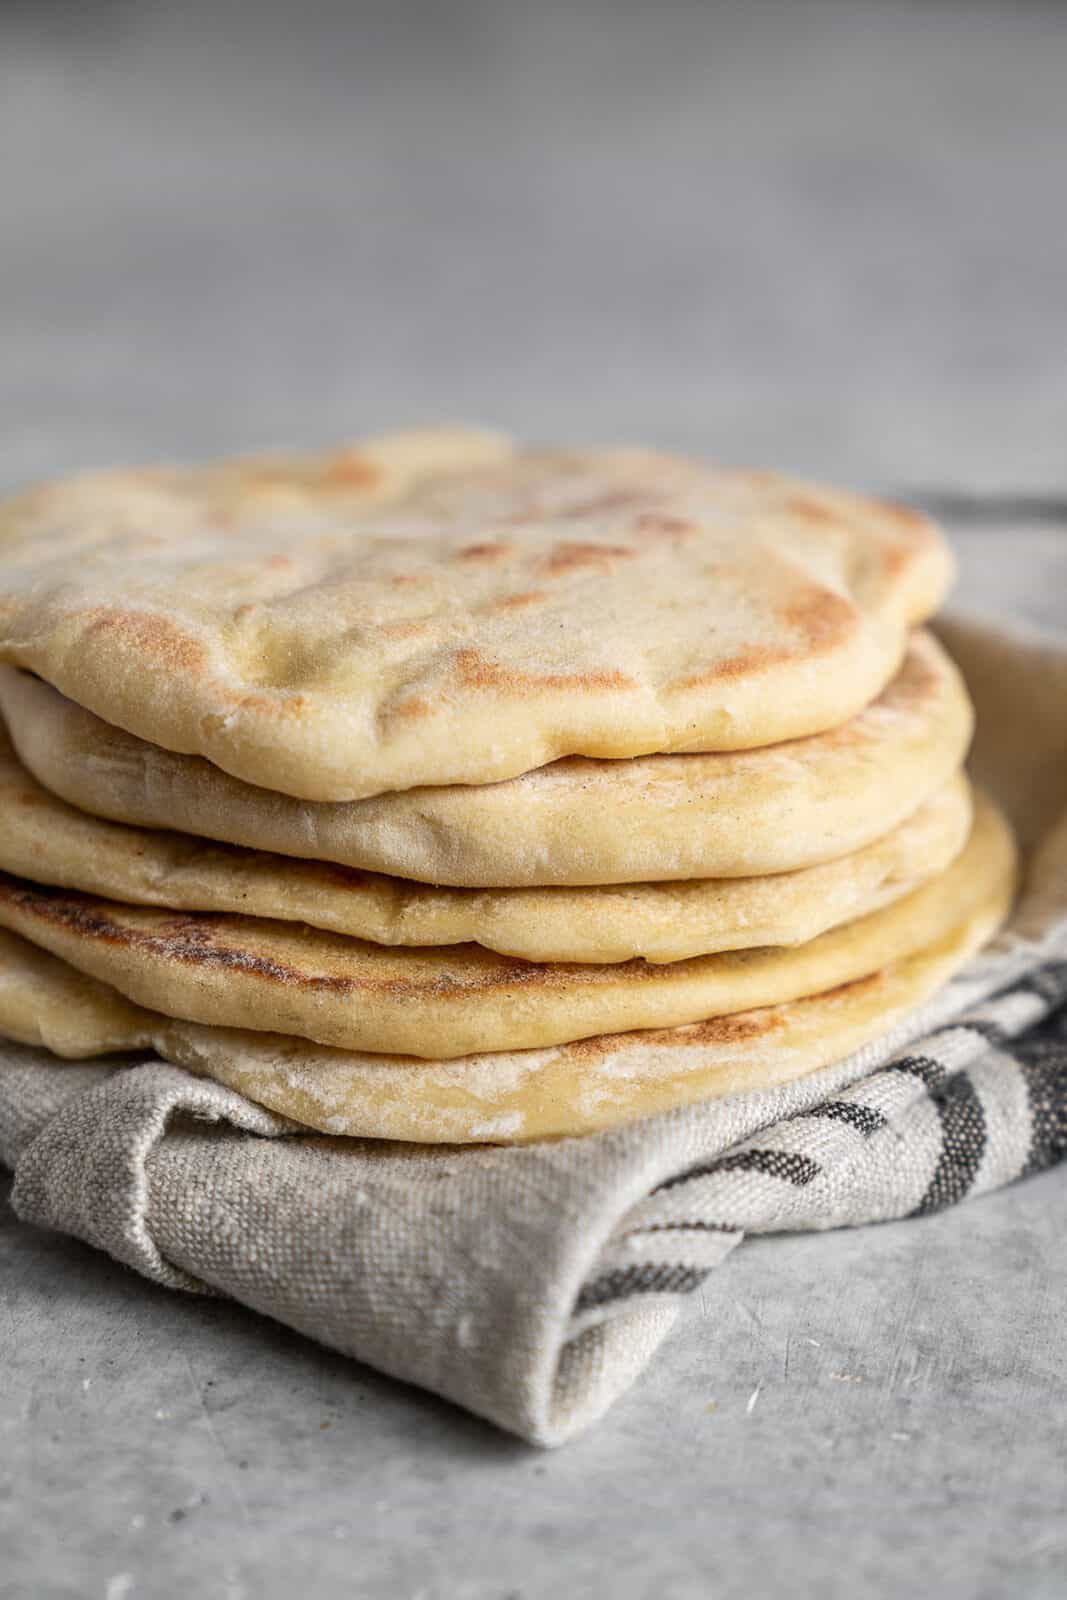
[(437, 789)]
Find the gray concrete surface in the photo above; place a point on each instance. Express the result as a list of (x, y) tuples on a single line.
[(877, 1413), (826, 236)]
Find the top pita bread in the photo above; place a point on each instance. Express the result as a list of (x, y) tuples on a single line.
[(436, 609)]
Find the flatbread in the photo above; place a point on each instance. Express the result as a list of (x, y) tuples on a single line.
[(655, 818), (245, 972), (49, 841), (569, 1089), (45, 1002), (580, 1087), (344, 626)]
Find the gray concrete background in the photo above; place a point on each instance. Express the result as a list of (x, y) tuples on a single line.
[(825, 236), (828, 234)]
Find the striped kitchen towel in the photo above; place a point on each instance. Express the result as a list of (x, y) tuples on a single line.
[(532, 1284), (970, 1107)]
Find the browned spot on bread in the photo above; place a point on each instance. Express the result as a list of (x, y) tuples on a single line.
[(740, 1028), (895, 559), (279, 563), (573, 556), (150, 634), (599, 1045), (350, 470), (410, 628), (403, 580), (654, 525), (739, 665), (610, 501), (811, 510), (514, 602), (248, 609), (494, 550), (411, 709), (820, 615), (476, 671)]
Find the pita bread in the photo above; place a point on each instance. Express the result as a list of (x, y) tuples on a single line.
[(364, 622), (569, 1089), (43, 838), (656, 818), (244, 972), (45, 1002)]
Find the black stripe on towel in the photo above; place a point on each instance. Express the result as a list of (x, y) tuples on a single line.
[(963, 1143), (789, 1165), (651, 1278), (925, 1068), (1044, 1067), (865, 1119)]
